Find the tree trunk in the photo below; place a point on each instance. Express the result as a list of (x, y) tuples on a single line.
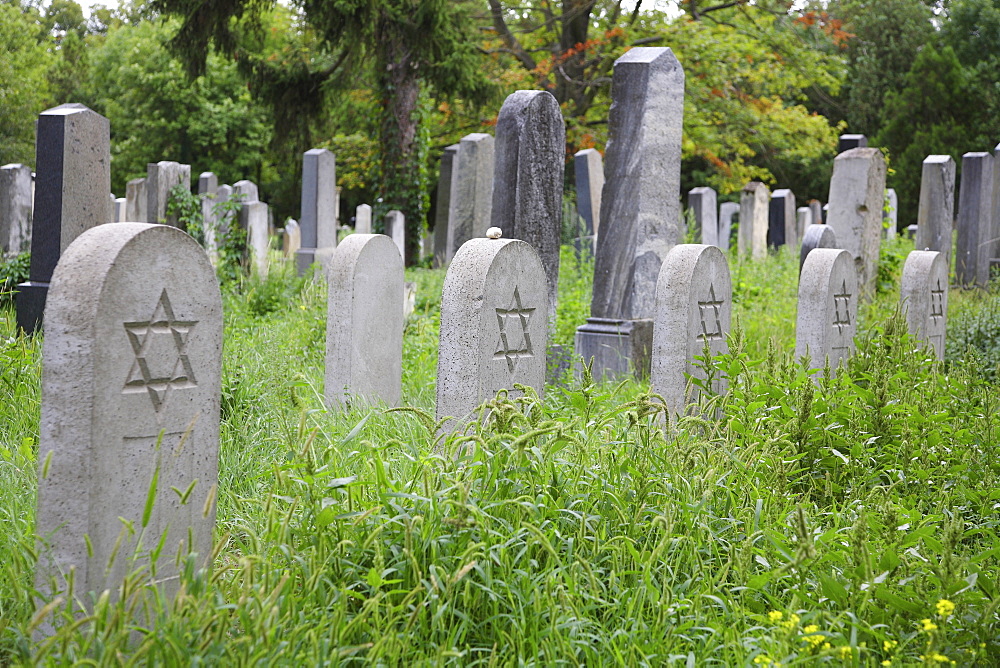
[(569, 75)]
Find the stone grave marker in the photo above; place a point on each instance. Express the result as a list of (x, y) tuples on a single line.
[(131, 367), (755, 203), (395, 229), (292, 238), (364, 325), (828, 308), (119, 210), (781, 223), (363, 219), (995, 234), (135, 201), (588, 167), (975, 220), (160, 178), (727, 210), (318, 221), (816, 236), (847, 142), (924, 298), (693, 310), (15, 208), (817, 211), (703, 201), (443, 205), (936, 213), (494, 326), (803, 219), (471, 197), (891, 217), (73, 179), (215, 225), (254, 219), (208, 183), (246, 190), (857, 192)]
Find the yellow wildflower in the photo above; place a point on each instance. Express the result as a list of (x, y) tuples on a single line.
[(927, 625), (762, 660), (826, 645), (889, 645), (775, 616), (812, 628), (945, 608), (845, 652), (887, 662), (791, 622)]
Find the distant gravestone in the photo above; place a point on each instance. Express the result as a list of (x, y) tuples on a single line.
[(755, 203), (318, 221), (703, 201), (975, 220), (208, 183), (254, 219), (131, 367), (364, 330), (847, 142), (443, 206), (160, 178), (119, 210), (363, 219), (995, 235), (588, 167), (292, 239), (828, 308), (910, 232), (528, 176), (135, 201), (727, 210), (781, 223), (924, 298), (471, 191), (816, 236), (73, 179), (15, 208), (216, 224), (693, 311), (395, 229), (803, 219), (891, 217), (817, 211), (246, 190), (494, 326), (936, 215), (857, 192)]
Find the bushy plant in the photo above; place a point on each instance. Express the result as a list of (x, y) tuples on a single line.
[(13, 270), (974, 335)]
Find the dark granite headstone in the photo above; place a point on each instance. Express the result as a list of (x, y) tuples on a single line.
[(781, 226), (816, 236)]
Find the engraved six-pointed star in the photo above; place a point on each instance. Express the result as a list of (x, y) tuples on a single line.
[(161, 361), (515, 339)]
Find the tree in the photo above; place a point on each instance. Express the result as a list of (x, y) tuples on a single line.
[(24, 88)]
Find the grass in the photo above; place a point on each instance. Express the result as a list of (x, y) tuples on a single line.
[(811, 523)]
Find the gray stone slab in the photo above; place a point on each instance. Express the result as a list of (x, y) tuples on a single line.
[(246, 190), (318, 219), (494, 327), (364, 324), (363, 219), (995, 234), (640, 205), (755, 203), (891, 216), (803, 219), (15, 208), (615, 348), (160, 178), (131, 367), (395, 229), (857, 192), (215, 225), (588, 168), (828, 308), (816, 236), (973, 242), (847, 142), (703, 201), (471, 198), (443, 206), (924, 298), (936, 213), (727, 210), (254, 219), (291, 240), (119, 210), (817, 211), (781, 224), (135, 201), (693, 313), (208, 183)]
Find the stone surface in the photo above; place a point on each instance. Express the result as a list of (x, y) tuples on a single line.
[(443, 205), (318, 221), (803, 219), (494, 327), (781, 222), (924, 298), (529, 157), (588, 169), (215, 224), (755, 213), (703, 201), (131, 367), (246, 190), (72, 182), (857, 192), (617, 349), (409, 298), (936, 214), (995, 234), (693, 311), (828, 307), (135, 201), (15, 208), (160, 178), (847, 142), (363, 219), (973, 243), (727, 210), (395, 229), (208, 183), (364, 324), (471, 198), (291, 241), (640, 205), (891, 215), (254, 219), (118, 215), (816, 236), (817, 211)]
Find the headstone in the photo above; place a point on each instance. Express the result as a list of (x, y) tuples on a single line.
[(441, 213), (395, 229), (781, 223), (494, 327), (703, 201), (693, 310), (292, 240), (131, 367), (588, 166), (111, 208), (828, 307), (803, 219), (816, 236), (755, 203), (936, 215), (73, 179), (364, 324), (471, 192), (727, 210), (215, 225), (246, 190), (911, 232), (15, 208), (363, 219), (640, 210), (119, 211), (924, 298), (253, 218), (975, 220), (857, 192), (318, 221), (160, 178), (995, 234), (847, 142), (528, 170), (817, 211), (208, 183), (409, 298), (135, 201), (891, 214)]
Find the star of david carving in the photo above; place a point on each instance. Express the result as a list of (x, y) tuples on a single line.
[(160, 347), (842, 300), (937, 302), (710, 310), (514, 342)]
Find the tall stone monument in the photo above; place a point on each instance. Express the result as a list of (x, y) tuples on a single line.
[(471, 192), (318, 220), (781, 222), (727, 210), (936, 215), (15, 208), (857, 192), (442, 207), (703, 201), (924, 298), (975, 220), (254, 219), (828, 308), (161, 177), (755, 213), (588, 168), (395, 229)]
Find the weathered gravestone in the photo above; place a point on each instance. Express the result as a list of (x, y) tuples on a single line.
[(131, 367), (995, 234), (693, 310), (847, 142), (471, 192), (161, 177), (857, 192), (727, 210), (246, 190), (528, 177), (781, 223), (588, 166), (318, 221), (494, 326), (803, 219), (975, 220), (364, 323), (640, 210), (755, 203), (828, 308), (891, 213), (936, 214), (135, 201), (73, 179), (216, 220), (924, 298), (292, 238), (208, 183), (816, 236), (395, 229), (703, 201), (15, 208), (119, 210), (254, 219), (443, 205), (363, 219), (817, 211)]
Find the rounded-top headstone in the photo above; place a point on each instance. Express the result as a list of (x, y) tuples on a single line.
[(924, 297), (828, 307), (816, 236)]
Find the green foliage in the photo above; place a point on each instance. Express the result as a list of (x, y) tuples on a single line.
[(974, 336), (230, 240), (23, 84), (13, 270), (576, 272), (185, 207)]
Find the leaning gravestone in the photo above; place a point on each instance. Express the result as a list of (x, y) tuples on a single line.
[(702, 201), (395, 229), (494, 327), (727, 210), (857, 192), (781, 223), (15, 208), (161, 177), (755, 202), (135, 200), (936, 215), (693, 310), (442, 206), (975, 220), (254, 219), (292, 239), (318, 221), (364, 323), (73, 179), (891, 220), (828, 308), (924, 298), (528, 176), (588, 167), (803, 219), (816, 236), (363, 219), (471, 192), (131, 367)]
